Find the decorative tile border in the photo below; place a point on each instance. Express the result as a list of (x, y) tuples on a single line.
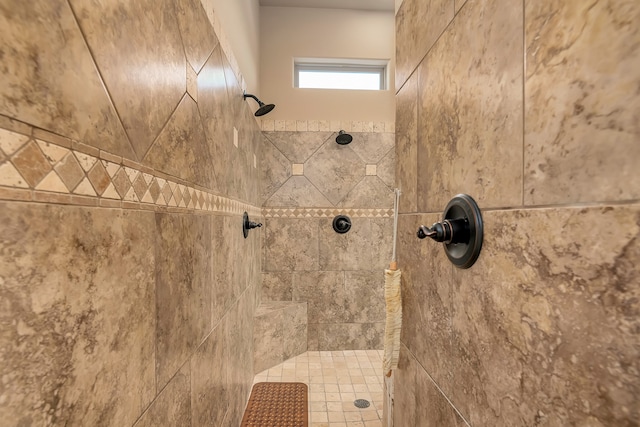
[(325, 213), (32, 169), (326, 126)]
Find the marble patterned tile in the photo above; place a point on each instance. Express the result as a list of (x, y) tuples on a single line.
[(427, 310), (275, 170), (183, 294), (324, 293), (268, 340), (369, 193), (432, 408), (544, 323), (291, 244), (62, 92), (372, 147), (364, 292), (173, 405), (418, 26), (239, 326), (78, 328), (350, 336), (407, 145), (198, 36), (277, 286), (386, 169), (182, 150), (138, 50), (298, 146), (298, 191), (470, 128), (459, 4), (294, 330), (344, 251), (581, 110), (209, 388), (334, 170), (404, 388)]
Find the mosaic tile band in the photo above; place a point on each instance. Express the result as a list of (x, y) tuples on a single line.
[(32, 169), (325, 212)]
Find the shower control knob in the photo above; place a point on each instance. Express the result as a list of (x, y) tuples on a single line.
[(447, 231), (460, 231)]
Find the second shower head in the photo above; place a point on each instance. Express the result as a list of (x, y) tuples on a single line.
[(262, 107), (343, 138)]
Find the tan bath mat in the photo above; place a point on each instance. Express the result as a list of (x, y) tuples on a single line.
[(277, 405)]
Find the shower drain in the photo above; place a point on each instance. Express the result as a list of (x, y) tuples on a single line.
[(361, 403)]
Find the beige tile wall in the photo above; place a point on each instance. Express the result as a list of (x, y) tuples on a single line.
[(532, 109), (308, 179), (127, 289)]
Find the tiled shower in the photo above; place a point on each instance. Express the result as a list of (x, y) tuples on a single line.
[(129, 297), (126, 286), (532, 108)]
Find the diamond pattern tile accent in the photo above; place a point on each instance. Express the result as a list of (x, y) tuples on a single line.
[(31, 163), (70, 171), (154, 190), (10, 142), (44, 166), (99, 178), (121, 182), (140, 186)]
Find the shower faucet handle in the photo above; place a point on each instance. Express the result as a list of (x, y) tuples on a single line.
[(447, 231), (252, 224)]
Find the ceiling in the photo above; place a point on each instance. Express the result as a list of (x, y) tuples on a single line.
[(383, 5)]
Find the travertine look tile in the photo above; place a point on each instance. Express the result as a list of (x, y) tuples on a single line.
[(129, 50), (406, 171), (459, 4), (85, 329), (344, 251), (427, 309), (172, 406), (192, 83), (10, 177), (183, 294), (581, 117), (31, 163), (348, 336), (239, 326), (198, 36), (298, 191), (294, 330), (470, 126), (370, 192), (432, 408), (10, 141), (276, 286), (554, 303), (182, 150), (386, 169), (404, 386), (364, 291), (418, 26), (64, 93), (324, 293), (209, 388), (335, 170), (371, 147), (268, 339), (275, 169), (298, 146)]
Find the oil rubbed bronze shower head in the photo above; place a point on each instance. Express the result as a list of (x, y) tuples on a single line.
[(263, 108), (343, 138)]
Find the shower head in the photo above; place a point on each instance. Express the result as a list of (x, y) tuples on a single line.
[(263, 108), (343, 138)]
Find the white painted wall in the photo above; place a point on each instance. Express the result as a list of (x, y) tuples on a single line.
[(240, 22), (286, 33)]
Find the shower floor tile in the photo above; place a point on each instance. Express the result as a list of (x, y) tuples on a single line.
[(335, 380)]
